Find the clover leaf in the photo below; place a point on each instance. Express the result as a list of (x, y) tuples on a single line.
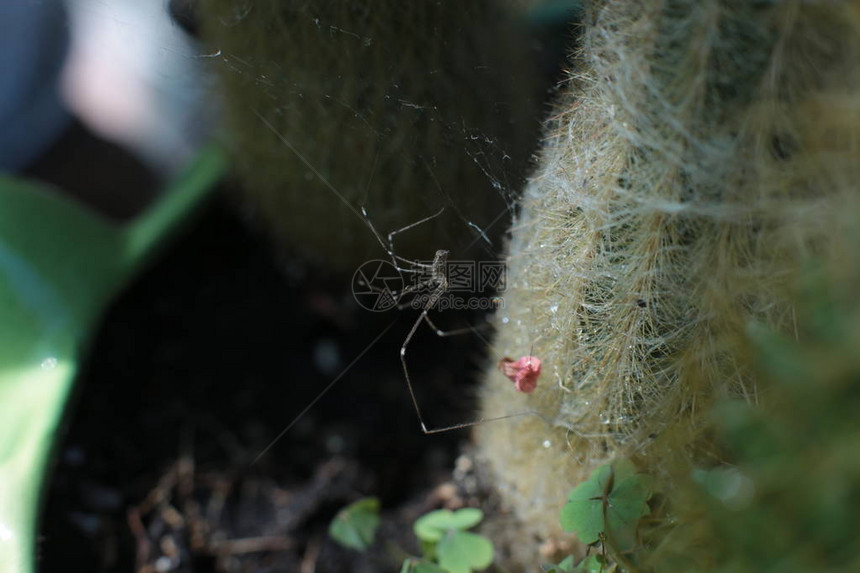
[(446, 542), (434, 525), (463, 552), (608, 504), (355, 525)]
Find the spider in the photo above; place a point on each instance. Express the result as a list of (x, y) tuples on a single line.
[(437, 280), (437, 283)]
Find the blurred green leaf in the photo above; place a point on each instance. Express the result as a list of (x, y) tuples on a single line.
[(463, 552), (412, 565), (565, 566), (432, 526), (355, 525), (778, 356), (591, 564)]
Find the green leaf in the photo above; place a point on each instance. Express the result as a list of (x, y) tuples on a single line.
[(432, 526), (591, 564), (413, 565), (566, 566), (583, 513), (778, 356), (610, 502), (627, 503), (428, 549), (355, 525), (462, 552)]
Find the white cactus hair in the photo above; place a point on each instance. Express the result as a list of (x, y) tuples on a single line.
[(704, 150)]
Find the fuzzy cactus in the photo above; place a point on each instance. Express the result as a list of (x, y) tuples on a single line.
[(704, 150), (402, 107)]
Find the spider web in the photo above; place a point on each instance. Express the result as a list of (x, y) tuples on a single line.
[(402, 109)]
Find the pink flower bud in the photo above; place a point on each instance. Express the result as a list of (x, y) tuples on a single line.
[(523, 372)]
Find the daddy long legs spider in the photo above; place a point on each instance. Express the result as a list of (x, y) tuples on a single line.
[(436, 281)]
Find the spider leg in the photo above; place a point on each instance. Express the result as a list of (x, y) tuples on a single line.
[(443, 333), (397, 260), (382, 244), (407, 227), (406, 370), (431, 302)]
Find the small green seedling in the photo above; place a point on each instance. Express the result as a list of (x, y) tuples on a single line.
[(355, 525), (566, 566), (446, 544), (591, 564), (413, 565), (608, 506)]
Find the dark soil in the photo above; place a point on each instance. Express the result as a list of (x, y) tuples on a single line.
[(198, 367)]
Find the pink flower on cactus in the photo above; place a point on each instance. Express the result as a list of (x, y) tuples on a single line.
[(523, 372)]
